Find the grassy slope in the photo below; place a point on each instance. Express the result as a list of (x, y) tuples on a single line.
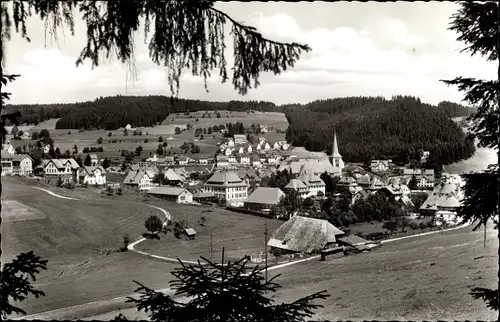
[(398, 282), (239, 234), (208, 147), (77, 272)]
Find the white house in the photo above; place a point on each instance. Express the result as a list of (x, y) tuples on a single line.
[(276, 146), (249, 149), (425, 156), (256, 162), (7, 162), (139, 179), (380, 165), (259, 147), (46, 149), (222, 161), (272, 159), (228, 186), (230, 143), (241, 150), (423, 182), (203, 160), (93, 175), (313, 182), (153, 158), (231, 158), (285, 146), (240, 138), (22, 164), (267, 147), (244, 159)]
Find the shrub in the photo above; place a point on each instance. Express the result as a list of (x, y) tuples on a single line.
[(153, 224)]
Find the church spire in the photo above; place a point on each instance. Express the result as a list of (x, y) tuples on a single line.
[(335, 148)]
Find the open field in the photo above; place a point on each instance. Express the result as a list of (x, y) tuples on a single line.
[(72, 237), (398, 282), (239, 234), (208, 146)]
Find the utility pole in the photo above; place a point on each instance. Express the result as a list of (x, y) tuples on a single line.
[(265, 246), (211, 248), (498, 135)]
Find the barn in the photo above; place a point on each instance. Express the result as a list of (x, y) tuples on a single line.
[(178, 195)]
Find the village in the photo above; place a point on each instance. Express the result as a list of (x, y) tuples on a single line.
[(314, 193)]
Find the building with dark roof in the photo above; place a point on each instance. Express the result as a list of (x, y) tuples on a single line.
[(264, 198), (179, 195)]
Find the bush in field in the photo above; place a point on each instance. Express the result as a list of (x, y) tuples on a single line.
[(414, 225), (153, 224), (99, 140), (422, 226), (85, 150), (60, 182)]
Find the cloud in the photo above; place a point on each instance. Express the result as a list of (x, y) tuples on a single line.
[(390, 54)]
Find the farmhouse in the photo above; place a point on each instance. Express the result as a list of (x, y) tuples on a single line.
[(304, 235), (66, 169), (179, 195), (139, 179), (172, 177), (93, 175), (444, 197), (227, 186), (264, 198)]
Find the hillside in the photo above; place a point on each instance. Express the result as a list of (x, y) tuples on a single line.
[(111, 113), (376, 128)]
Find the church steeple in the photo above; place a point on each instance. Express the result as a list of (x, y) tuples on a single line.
[(335, 148)]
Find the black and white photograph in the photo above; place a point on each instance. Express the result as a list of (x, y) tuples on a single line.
[(226, 161)]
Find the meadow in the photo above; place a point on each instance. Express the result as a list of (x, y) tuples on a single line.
[(67, 138)]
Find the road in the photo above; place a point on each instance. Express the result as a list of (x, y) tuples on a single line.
[(421, 278)]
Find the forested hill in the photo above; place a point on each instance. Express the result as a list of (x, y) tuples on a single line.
[(375, 128), (113, 112)]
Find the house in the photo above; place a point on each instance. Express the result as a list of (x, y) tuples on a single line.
[(256, 162), (314, 183), (263, 128), (183, 160), (259, 147), (247, 175), (424, 183), (240, 138), (46, 149), (272, 159), (285, 146), (408, 173), (222, 161), (7, 159), (241, 150), (22, 164), (444, 197), (298, 186), (93, 175), (276, 146), (9, 148), (267, 147), (153, 158), (94, 160), (26, 136), (376, 184), (203, 160), (317, 165), (189, 233), (231, 159), (425, 156), (380, 165), (429, 175), (226, 185), (249, 149), (264, 198), (179, 195), (172, 177), (65, 169), (304, 235), (230, 143), (244, 159), (139, 179)]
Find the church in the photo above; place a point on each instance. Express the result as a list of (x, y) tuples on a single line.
[(336, 158)]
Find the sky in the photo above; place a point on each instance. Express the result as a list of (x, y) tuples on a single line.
[(358, 49)]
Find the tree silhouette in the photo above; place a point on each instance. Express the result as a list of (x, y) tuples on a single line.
[(186, 35), (15, 280), (222, 293), (478, 26)]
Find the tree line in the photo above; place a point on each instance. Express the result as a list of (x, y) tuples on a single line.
[(376, 128), (111, 113)]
